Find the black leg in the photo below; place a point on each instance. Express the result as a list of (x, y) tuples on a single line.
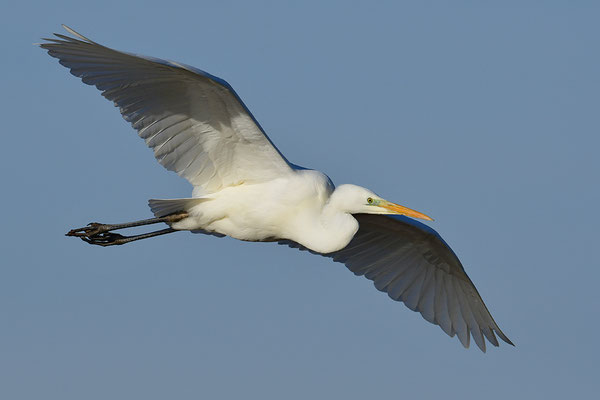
[(100, 234), (112, 239)]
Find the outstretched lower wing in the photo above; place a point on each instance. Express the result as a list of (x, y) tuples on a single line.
[(412, 263), (195, 122)]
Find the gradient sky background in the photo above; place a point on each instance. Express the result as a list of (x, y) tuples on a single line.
[(483, 116)]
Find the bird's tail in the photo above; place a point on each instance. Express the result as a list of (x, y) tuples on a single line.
[(164, 207)]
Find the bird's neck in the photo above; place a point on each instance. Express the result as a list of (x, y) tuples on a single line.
[(333, 230), (342, 225)]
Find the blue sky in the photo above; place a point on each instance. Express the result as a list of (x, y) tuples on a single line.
[(484, 116)]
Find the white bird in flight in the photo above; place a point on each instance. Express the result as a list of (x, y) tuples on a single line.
[(245, 188)]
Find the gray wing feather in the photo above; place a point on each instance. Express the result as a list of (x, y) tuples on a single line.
[(412, 263), (195, 122)]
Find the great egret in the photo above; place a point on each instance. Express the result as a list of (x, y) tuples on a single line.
[(244, 187)]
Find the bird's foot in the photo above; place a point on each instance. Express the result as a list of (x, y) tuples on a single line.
[(106, 239), (92, 229), (98, 234)]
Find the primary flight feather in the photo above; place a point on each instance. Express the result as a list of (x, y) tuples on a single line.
[(244, 187)]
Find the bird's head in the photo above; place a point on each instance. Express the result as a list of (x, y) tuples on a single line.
[(359, 200)]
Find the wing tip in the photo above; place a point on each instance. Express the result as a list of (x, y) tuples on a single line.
[(76, 34), (504, 337), (62, 38)]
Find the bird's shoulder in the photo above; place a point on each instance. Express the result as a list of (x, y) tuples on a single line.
[(314, 178)]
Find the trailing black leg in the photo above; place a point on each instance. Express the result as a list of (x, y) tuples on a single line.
[(112, 239), (102, 235)]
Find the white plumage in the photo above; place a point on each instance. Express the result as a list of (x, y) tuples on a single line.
[(244, 187)]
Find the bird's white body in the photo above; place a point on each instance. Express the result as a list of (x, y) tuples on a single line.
[(198, 127), (306, 212)]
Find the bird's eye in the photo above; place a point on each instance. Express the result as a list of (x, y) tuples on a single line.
[(370, 200)]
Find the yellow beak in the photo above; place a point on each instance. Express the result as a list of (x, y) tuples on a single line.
[(401, 210)]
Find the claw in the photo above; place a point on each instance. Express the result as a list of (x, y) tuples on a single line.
[(105, 239), (97, 233), (92, 229)]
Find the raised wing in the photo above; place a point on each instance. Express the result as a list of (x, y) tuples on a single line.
[(195, 122), (412, 263)]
